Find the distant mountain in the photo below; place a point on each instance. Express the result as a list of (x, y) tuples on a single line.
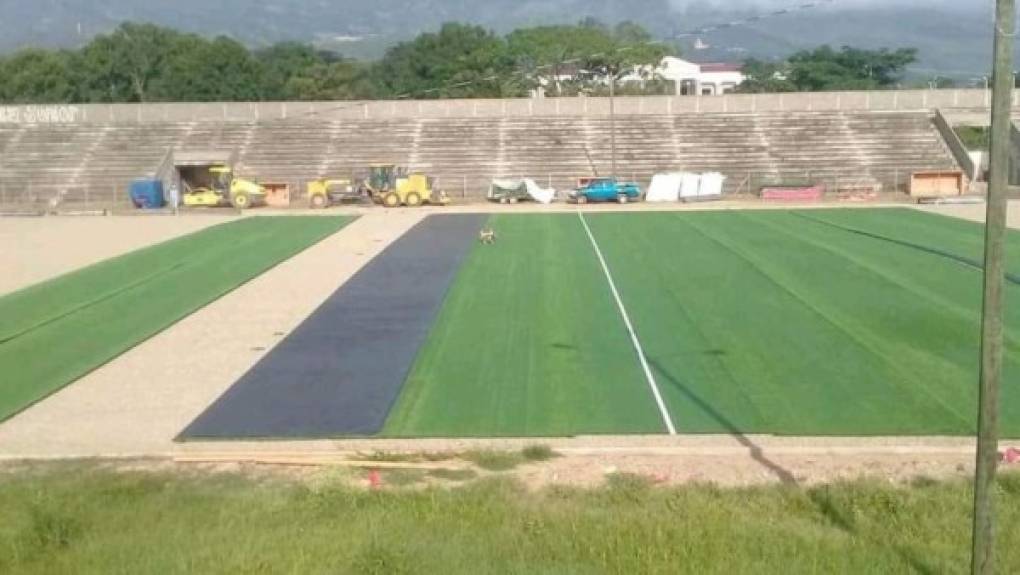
[(953, 43)]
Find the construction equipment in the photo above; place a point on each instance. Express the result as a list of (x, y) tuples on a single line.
[(323, 193), (225, 190), (392, 186)]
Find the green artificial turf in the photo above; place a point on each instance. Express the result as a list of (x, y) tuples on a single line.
[(56, 331), (845, 322), (529, 342)]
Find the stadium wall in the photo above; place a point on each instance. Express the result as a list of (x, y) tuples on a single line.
[(892, 100)]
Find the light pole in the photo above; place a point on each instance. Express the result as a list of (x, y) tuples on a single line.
[(612, 121), (611, 75)]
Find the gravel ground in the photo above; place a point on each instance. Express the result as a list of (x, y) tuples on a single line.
[(37, 249), (134, 406), (975, 212)]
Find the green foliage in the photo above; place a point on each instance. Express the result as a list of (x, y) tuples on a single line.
[(220, 70), (448, 474), (293, 71), (147, 63), (402, 457), (568, 60), (403, 477), (539, 452), (122, 66), (973, 137), (763, 76), (492, 460), (37, 76), (457, 62), (145, 522), (824, 69)]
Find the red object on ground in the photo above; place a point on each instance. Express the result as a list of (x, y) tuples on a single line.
[(374, 479), (1011, 456), (794, 194)]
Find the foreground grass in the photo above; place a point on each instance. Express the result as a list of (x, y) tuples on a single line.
[(54, 332), (84, 520)]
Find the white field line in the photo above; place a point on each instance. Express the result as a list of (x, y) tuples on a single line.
[(630, 329)]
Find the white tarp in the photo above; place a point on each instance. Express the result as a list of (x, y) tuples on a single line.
[(711, 185), (685, 186), (539, 194), (664, 188), (690, 184), (535, 192)]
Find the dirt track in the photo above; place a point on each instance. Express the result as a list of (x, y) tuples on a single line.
[(135, 405), (586, 461)]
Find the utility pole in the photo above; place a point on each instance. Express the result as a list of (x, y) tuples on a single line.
[(991, 314), (612, 120)]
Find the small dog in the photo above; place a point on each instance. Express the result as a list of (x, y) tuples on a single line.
[(487, 236)]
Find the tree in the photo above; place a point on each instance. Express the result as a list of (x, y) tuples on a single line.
[(765, 76), (460, 61), (122, 66), (339, 80), (283, 62), (580, 58), (37, 77), (293, 71), (827, 69), (552, 55), (204, 71)]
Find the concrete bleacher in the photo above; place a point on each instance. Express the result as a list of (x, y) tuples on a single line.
[(92, 163)]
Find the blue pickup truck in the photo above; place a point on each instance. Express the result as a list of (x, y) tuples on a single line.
[(605, 190)]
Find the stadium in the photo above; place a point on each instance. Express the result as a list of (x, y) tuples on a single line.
[(813, 321), (575, 322)]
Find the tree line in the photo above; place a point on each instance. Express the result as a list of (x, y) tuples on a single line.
[(825, 68), (148, 63)]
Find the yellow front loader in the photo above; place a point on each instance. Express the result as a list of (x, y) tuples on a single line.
[(391, 186)]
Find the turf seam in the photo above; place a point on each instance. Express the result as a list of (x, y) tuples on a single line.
[(666, 418), (850, 333), (693, 324), (105, 297), (1011, 278), (948, 307)]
